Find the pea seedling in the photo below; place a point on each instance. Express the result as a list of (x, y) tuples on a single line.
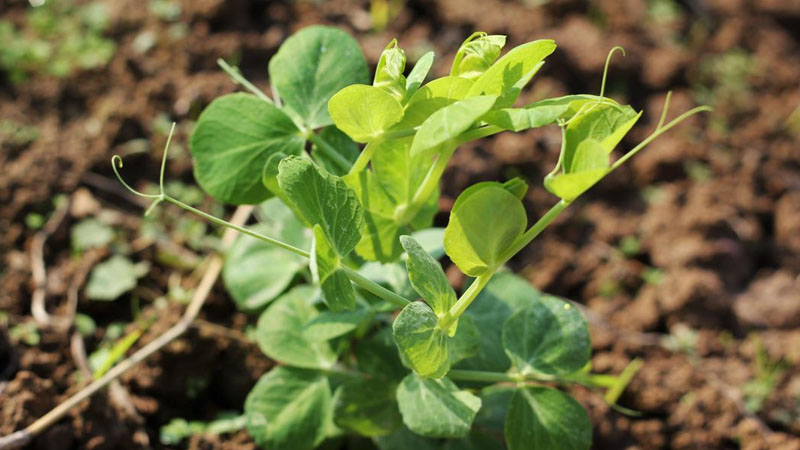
[(475, 370)]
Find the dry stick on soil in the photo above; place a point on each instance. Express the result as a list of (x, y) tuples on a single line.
[(38, 271), (25, 436)]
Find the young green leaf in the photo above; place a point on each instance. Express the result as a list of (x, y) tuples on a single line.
[(90, 233), (485, 220), (417, 75), (289, 408), (337, 291), (549, 337), (606, 124), (364, 112), (233, 138), (256, 272), (324, 199), (328, 324), (539, 114), (506, 77), (389, 73), (449, 122), (311, 66), (427, 277), (281, 331), (367, 407), (541, 417), (505, 294), (432, 97), (422, 344), (477, 54), (436, 408)]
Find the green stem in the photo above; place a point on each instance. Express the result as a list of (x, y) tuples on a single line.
[(478, 133), (465, 300), (237, 77), (363, 158), (481, 376), (428, 185), (534, 230), (375, 288), (329, 151)]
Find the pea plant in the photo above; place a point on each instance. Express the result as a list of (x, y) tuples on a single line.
[(343, 266)]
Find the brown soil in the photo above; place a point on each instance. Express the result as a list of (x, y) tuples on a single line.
[(714, 207)]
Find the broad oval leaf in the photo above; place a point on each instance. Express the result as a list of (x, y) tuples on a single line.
[(506, 77), (485, 220), (549, 337), (422, 344), (281, 331), (324, 199), (289, 408), (337, 291), (233, 139), (367, 406), (364, 112), (427, 277), (449, 122), (541, 417), (311, 66), (328, 324), (436, 408)]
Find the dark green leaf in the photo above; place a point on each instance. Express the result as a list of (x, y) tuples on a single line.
[(367, 407), (466, 340), (233, 138), (541, 417), (436, 408), (343, 145), (328, 324), (406, 440)]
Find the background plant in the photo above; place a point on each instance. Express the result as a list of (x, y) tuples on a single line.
[(343, 220)]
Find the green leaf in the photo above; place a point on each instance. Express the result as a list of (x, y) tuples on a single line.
[(465, 341), (485, 220), (367, 407), (281, 331), (326, 268), (606, 124), (427, 277), (328, 324), (364, 112), (256, 272), (506, 77), (431, 240), (343, 144), (114, 277), (449, 122), (289, 408), (324, 199), (389, 73), (311, 66), (436, 408), (90, 233), (404, 439), (539, 114), (377, 355), (477, 54), (432, 97), (541, 417), (233, 138), (422, 344), (550, 337), (417, 75), (589, 155), (570, 186), (505, 294)]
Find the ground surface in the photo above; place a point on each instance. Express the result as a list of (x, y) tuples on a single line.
[(706, 291)]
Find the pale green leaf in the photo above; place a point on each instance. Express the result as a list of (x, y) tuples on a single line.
[(506, 77), (606, 124), (485, 220), (417, 75), (364, 112), (427, 277), (324, 199), (549, 337), (367, 407), (90, 233), (589, 155), (281, 331), (449, 122), (289, 408), (328, 324), (432, 240), (541, 417), (432, 97), (538, 114), (422, 344), (337, 291), (570, 186), (311, 66), (114, 277), (436, 408), (231, 142)]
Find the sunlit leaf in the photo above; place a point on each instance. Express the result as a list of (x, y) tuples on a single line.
[(364, 112)]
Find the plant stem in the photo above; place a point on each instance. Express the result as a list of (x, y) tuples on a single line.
[(534, 230), (465, 300), (478, 133), (375, 288), (481, 376), (237, 77), (364, 157), (428, 185), (329, 150)]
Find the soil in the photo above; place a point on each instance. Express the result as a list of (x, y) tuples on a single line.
[(708, 286)]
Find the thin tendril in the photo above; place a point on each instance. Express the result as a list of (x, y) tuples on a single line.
[(605, 70), (164, 159), (116, 160), (664, 111)]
